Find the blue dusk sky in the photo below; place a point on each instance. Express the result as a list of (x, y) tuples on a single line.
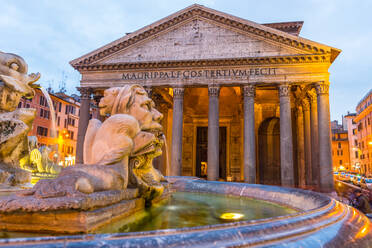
[(49, 34)]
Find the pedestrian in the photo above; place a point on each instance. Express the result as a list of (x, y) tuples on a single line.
[(361, 202), (351, 197)]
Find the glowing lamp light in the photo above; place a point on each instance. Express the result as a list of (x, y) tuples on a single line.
[(370, 143), (231, 216)]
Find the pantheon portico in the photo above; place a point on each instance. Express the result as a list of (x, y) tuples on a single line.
[(241, 101)]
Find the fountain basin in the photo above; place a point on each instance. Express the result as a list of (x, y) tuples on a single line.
[(320, 221)]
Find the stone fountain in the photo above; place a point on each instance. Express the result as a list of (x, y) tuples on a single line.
[(117, 179), (19, 154)]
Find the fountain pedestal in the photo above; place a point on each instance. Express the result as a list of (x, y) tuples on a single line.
[(106, 207)]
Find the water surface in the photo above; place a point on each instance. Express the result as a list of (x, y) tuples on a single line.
[(185, 209)]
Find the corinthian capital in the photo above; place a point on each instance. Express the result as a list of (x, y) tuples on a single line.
[(85, 92), (322, 88), (249, 90), (306, 105), (213, 90), (178, 92), (284, 90)]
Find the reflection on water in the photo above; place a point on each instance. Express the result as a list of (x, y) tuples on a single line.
[(195, 209)]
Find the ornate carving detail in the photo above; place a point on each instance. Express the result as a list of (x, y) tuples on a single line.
[(322, 88), (249, 90), (135, 37), (312, 96), (305, 105), (292, 59), (213, 90), (284, 90), (85, 92), (178, 92)]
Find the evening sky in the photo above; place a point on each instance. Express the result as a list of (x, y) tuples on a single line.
[(49, 34)]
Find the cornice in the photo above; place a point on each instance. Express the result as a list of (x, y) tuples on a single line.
[(273, 60), (288, 27), (195, 11)]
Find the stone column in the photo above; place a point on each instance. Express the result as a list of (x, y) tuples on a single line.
[(324, 133), (307, 134), (249, 92), (213, 133), (314, 140), (286, 146), (176, 161), (85, 94), (300, 146)]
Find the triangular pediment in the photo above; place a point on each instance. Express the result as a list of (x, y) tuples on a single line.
[(200, 39), (196, 33)]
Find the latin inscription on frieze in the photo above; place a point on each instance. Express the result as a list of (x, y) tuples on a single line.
[(187, 74)]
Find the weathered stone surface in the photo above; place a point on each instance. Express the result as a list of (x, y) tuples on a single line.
[(11, 176), (198, 39), (29, 203)]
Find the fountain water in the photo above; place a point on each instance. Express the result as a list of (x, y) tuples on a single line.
[(52, 111), (167, 170)]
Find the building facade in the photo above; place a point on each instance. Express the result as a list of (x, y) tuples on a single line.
[(351, 127), (340, 148), (67, 110), (363, 121), (66, 118), (241, 100)]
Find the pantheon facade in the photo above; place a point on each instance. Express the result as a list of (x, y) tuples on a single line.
[(241, 101)]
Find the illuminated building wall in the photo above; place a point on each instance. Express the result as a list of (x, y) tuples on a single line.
[(340, 150), (363, 122), (67, 120)]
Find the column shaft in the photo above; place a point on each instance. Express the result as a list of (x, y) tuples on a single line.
[(83, 122), (176, 161), (213, 133), (286, 146), (300, 147), (325, 149), (249, 134), (307, 134), (314, 141)]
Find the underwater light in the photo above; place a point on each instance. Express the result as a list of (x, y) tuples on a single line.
[(231, 216)]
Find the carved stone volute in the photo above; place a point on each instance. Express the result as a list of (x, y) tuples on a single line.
[(213, 90), (249, 90), (322, 88), (85, 93), (284, 90), (178, 92)]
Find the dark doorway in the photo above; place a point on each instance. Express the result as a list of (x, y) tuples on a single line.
[(202, 152), (269, 152)]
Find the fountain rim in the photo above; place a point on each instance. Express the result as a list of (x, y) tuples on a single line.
[(307, 223)]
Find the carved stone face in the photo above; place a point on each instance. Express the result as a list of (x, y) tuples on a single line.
[(143, 109), (107, 101), (133, 100)]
